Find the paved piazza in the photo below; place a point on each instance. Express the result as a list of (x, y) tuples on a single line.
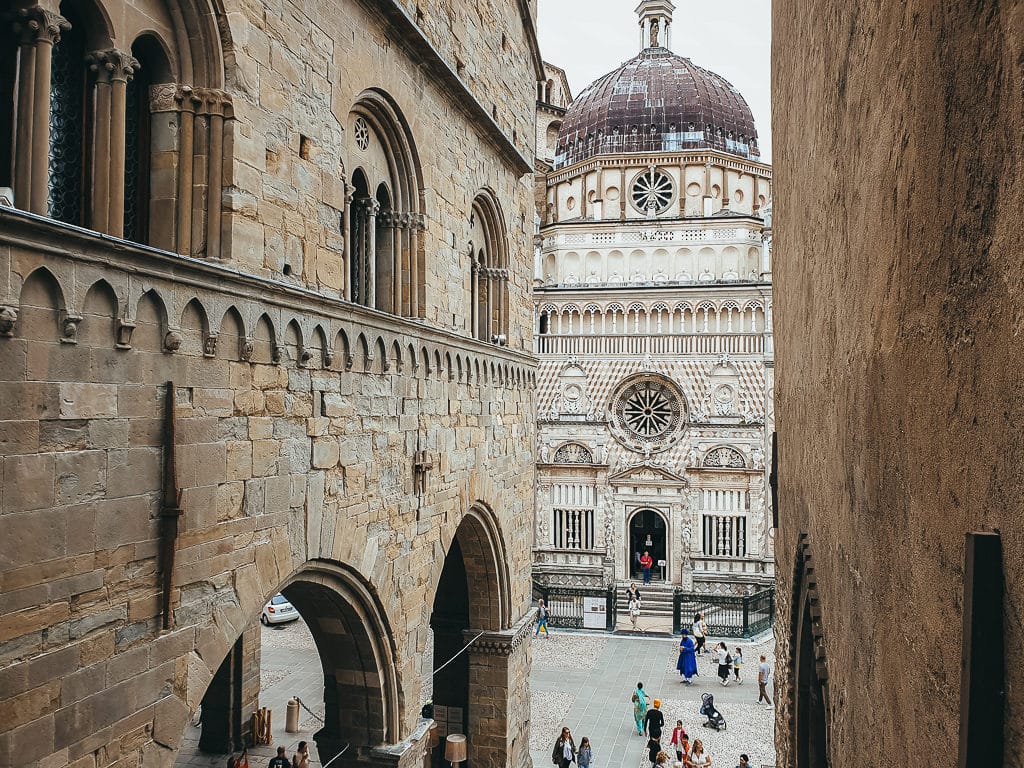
[(580, 680), (585, 681)]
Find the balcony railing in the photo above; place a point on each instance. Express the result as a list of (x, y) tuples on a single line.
[(630, 344)]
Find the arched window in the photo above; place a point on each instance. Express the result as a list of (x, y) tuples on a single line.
[(69, 193), (386, 266), (489, 254)]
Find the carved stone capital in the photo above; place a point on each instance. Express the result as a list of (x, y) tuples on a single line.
[(8, 317), (245, 349), (210, 345), (277, 354), (187, 99), (213, 101), (163, 97), (112, 64), (500, 643), (41, 25)]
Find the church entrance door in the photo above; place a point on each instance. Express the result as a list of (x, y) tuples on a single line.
[(648, 532)]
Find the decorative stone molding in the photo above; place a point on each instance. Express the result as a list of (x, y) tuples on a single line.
[(118, 65), (69, 329), (125, 328), (210, 345), (245, 349), (277, 354), (8, 318), (172, 341), (43, 25), (500, 643), (328, 357)]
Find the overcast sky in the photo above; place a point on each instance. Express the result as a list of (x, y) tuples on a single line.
[(589, 38)]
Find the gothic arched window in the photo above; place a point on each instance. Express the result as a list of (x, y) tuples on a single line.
[(489, 290)]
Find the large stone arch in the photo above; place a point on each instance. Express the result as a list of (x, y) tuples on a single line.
[(353, 636), (479, 655)]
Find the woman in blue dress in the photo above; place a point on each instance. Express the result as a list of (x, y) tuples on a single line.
[(687, 664)]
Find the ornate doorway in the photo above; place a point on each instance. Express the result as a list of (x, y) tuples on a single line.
[(648, 532)]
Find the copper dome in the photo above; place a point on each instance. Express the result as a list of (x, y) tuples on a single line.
[(656, 102)]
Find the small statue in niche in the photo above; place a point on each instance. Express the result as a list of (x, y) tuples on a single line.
[(655, 24)]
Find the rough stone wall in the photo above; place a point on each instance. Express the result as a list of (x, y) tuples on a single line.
[(298, 72), (899, 296), (298, 416)]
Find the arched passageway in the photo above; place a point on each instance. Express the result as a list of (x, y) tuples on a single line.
[(473, 694), (355, 645)]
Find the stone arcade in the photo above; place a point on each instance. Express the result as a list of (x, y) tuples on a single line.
[(653, 310), (246, 240)]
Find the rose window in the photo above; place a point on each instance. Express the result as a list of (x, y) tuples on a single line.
[(362, 133), (652, 192), (647, 414)]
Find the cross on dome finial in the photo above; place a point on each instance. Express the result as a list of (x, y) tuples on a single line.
[(655, 23)]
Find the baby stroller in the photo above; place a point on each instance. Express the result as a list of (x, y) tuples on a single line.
[(714, 717)]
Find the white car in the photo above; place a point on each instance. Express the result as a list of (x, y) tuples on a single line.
[(278, 611)]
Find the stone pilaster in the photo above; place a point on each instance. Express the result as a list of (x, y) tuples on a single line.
[(499, 697)]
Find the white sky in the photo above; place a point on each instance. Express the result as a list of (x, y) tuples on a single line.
[(588, 38)]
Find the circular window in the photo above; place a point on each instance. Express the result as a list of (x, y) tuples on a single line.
[(362, 133), (570, 203), (652, 192), (647, 413)]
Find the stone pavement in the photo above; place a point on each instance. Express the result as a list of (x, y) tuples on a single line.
[(585, 681), (289, 666)]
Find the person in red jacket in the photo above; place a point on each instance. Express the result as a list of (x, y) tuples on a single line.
[(646, 561)]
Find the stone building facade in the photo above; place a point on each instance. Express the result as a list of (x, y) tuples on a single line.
[(653, 321), (899, 405), (265, 325)]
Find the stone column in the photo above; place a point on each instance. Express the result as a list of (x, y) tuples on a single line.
[(474, 294), (122, 68), (499, 696), (419, 226), (187, 103), (217, 105), (45, 28), (371, 210), (23, 127), (100, 198)]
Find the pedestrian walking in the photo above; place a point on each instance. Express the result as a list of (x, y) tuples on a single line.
[(654, 721), (698, 757), (633, 593), (653, 750), (724, 663), (646, 561), (737, 662), (542, 618), (697, 628), (564, 752), (764, 672), (744, 762), (301, 757), (640, 701), (661, 760), (280, 761), (586, 753), (634, 612), (680, 741), (687, 663)]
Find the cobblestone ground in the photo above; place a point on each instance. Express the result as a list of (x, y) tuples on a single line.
[(585, 681)]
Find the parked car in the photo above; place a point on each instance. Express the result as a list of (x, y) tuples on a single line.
[(278, 611)]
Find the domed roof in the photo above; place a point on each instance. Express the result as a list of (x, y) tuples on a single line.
[(657, 102)]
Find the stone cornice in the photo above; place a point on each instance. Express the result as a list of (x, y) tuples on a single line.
[(37, 233), (682, 157), (417, 44), (503, 643)]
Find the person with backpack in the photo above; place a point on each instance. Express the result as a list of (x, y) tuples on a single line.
[(542, 619), (639, 699)]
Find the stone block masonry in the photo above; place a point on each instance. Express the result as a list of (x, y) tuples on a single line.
[(325, 449)]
